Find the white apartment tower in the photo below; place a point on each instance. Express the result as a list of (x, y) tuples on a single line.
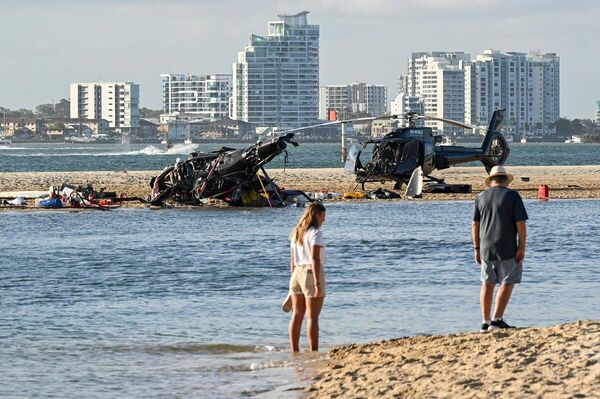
[(526, 85), (438, 78), (354, 98), (597, 119), (116, 102), (276, 77), (204, 95), (404, 103)]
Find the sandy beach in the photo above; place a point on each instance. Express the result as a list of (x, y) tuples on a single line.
[(563, 181), (550, 362)]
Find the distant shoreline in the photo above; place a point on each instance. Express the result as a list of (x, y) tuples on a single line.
[(300, 139)]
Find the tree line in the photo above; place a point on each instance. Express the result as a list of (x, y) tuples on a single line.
[(567, 127), (59, 110)]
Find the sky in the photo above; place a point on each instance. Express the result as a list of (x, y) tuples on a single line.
[(49, 44)]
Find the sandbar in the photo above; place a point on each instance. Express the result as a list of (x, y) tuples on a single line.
[(563, 181)]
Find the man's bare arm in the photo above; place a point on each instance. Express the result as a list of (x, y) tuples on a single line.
[(522, 236), (475, 234), (475, 239)]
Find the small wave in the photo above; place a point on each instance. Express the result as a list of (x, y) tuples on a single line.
[(253, 366), (300, 362), (6, 148), (213, 349)]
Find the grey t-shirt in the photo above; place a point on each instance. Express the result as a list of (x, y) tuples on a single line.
[(498, 209)]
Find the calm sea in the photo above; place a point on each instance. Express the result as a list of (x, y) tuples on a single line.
[(185, 303), (90, 157)]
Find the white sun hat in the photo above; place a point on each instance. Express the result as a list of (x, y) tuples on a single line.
[(286, 306), (498, 171)]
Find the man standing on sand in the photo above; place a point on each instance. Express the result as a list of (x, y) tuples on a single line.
[(498, 220)]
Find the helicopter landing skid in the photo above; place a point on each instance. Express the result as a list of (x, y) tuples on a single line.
[(435, 179)]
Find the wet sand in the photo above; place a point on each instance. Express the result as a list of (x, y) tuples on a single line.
[(563, 181), (551, 362)]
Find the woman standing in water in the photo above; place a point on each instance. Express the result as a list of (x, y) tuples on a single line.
[(307, 284)]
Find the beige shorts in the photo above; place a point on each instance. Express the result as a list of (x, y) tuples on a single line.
[(302, 281)]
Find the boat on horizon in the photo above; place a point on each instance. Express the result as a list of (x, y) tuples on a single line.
[(448, 141), (5, 140), (573, 139)]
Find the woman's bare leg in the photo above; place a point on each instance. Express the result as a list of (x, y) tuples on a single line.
[(313, 309), (298, 310)]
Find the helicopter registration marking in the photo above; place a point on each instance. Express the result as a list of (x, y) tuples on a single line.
[(415, 133)]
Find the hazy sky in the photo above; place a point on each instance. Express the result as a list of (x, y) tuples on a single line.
[(49, 44)]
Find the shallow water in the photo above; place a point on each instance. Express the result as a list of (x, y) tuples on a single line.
[(180, 303), (49, 157)]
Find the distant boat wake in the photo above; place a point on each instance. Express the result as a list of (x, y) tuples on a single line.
[(177, 149), (9, 148)]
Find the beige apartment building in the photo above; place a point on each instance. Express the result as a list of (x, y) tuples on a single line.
[(9, 125), (352, 98)]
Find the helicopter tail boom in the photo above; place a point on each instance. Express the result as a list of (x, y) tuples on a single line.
[(493, 150)]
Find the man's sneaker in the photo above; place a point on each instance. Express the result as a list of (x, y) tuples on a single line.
[(497, 324), (485, 327)]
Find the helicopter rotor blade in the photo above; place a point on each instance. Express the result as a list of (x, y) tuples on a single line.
[(370, 118), (451, 122)]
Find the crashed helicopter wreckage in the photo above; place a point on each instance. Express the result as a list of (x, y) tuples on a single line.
[(231, 175)]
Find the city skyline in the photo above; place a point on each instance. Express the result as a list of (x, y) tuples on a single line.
[(137, 41)]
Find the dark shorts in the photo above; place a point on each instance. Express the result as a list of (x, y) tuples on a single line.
[(506, 271)]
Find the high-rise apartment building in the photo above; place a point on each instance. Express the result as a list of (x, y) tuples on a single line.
[(598, 112), (204, 95), (116, 102), (438, 78), (353, 98), (276, 77), (526, 85), (453, 86)]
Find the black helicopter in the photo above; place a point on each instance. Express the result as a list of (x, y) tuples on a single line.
[(396, 155), (228, 174)]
